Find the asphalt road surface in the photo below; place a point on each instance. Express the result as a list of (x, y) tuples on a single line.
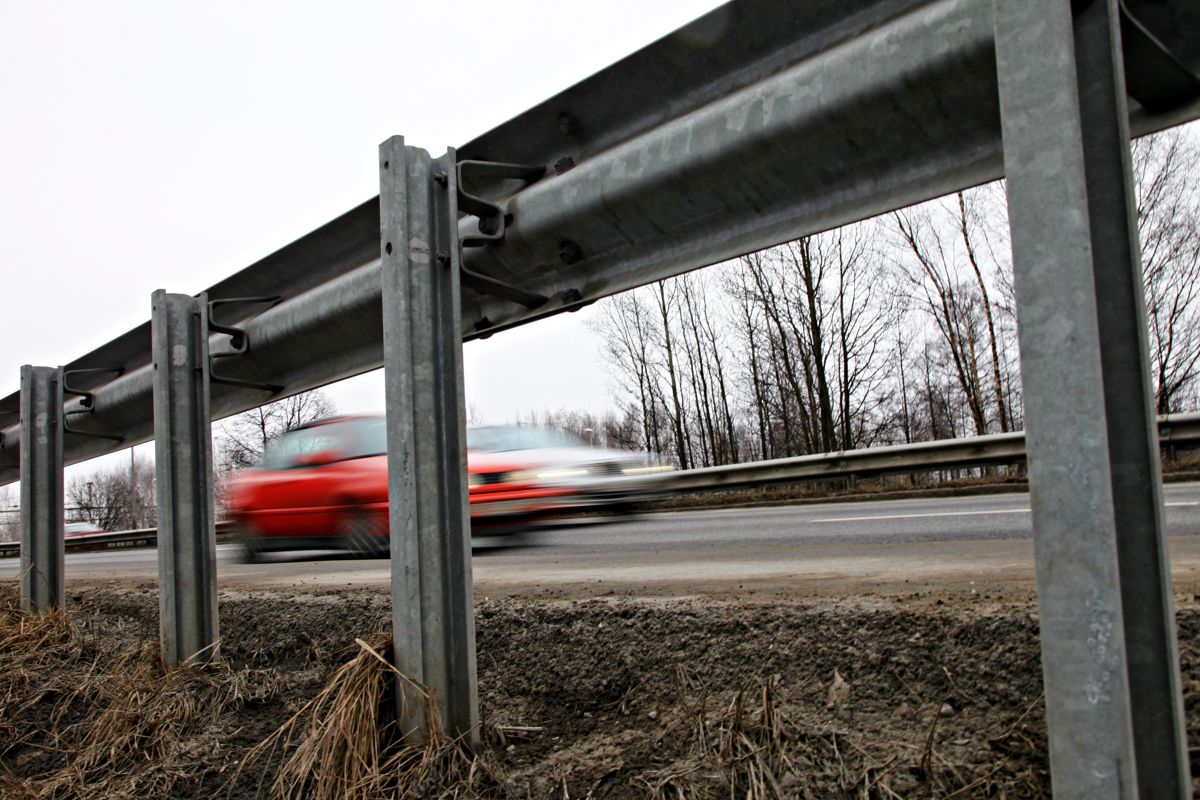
[(971, 544)]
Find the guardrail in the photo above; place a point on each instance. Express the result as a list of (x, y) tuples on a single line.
[(624, 181), (1003, 448), (109, 540), (977, 451)]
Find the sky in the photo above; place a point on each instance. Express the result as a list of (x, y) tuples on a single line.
[(151, 145)]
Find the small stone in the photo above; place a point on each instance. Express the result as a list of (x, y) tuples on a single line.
[(512, 748), (653, 715), (946, 710)]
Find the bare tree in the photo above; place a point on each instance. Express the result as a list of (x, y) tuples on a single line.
[(1167, 170), (617, 431), (10, 516), (826, 307), (934, 271), (628, 335), (966, 223), (243, 438), (114, 498), (677, 414)]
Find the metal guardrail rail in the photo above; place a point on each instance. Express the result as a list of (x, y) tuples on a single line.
[(659, 164), (978, 451), (109, 540)]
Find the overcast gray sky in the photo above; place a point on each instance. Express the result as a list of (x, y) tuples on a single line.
[(155, 145)]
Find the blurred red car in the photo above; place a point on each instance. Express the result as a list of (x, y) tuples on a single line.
[(324, 485)]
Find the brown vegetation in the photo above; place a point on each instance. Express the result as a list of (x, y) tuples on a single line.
[(607, 699)]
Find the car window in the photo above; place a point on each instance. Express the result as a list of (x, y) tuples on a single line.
[(354, 438), (504, 438), (306, 440), (370, 437)]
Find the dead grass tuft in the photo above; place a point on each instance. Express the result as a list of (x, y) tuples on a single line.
[(741, 747), (118, 721), (763, 746), (29, 645), (345, 743)]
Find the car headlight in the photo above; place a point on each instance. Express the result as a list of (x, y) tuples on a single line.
[(648, 469), (549, 474)]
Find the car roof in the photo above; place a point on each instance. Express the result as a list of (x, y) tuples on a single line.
[(316, 423)]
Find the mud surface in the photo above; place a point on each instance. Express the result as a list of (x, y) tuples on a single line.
[(902, 695)]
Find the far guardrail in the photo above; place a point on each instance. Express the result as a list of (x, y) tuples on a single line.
[(1002, 448), (110, 540), (978, 451)]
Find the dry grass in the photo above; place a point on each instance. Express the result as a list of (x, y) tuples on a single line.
[(345, 743), (120, 724), (86, 710), (740, 749), (762, 746), (30, 645)]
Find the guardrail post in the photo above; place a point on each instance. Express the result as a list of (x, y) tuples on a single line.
[(187, 577), (1113, 701), (42, 549), (432, 593)]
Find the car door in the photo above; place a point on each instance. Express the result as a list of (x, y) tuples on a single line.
[(299, 500)]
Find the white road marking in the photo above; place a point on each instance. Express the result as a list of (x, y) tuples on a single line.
[(957, 513), (927, 514)]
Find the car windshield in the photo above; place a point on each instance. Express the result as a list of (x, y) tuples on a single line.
[(352, 438), (504, 438)]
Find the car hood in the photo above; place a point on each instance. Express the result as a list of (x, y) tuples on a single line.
[(549, 457)]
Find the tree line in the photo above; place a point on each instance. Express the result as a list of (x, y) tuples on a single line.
[(897, 329)]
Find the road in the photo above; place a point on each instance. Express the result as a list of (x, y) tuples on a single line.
[(976, 544)]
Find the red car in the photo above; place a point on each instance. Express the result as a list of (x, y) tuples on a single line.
[(324, 485)]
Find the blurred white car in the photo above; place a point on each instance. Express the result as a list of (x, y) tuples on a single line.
[(526, 472), (81, 529)]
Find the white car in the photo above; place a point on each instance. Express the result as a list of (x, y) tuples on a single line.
[(527, 471)]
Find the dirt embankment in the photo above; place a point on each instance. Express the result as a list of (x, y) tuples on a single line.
[(904, 696)]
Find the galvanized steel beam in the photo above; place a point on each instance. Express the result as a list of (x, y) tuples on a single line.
[(1152, 654), (433, 627), (42, 549), (1113, 702), (187, 555)]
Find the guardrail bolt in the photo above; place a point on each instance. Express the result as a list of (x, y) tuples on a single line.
[(568, 124), (569, 252)]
